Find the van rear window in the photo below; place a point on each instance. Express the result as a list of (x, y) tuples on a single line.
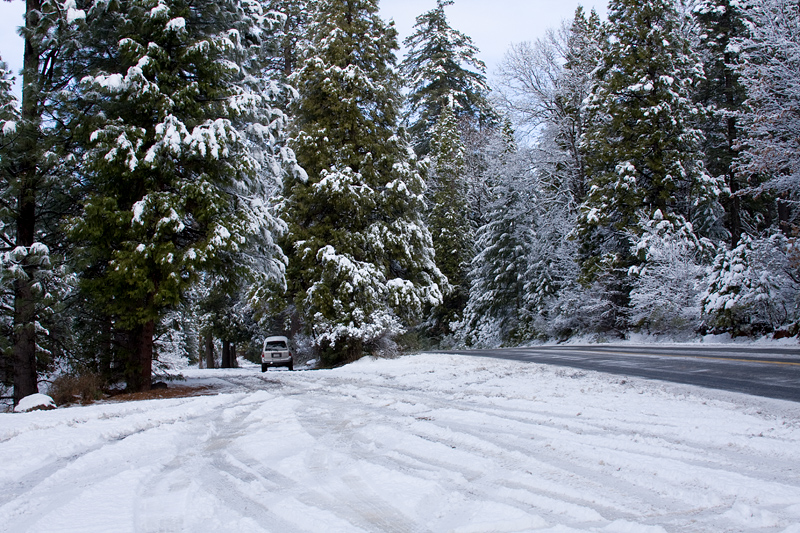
[(278, 344)]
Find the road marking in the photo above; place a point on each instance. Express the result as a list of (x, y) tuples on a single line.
[(784, 363)]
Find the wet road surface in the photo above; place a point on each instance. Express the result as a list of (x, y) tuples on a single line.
[(768, 372)]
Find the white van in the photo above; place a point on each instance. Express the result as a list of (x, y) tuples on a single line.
[(276, 352)]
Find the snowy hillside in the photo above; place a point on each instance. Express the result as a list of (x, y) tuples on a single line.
[(421, 443)]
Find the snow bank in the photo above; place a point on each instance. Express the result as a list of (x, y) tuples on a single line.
[(35, 401)]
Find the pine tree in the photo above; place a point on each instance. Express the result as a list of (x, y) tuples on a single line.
[(495, 313), (295, 17), (442, 66), (181, 142), (447, 104), (721, 23), (582, 58), (643, 155), (448, 218), (361, 258), (753, 288), (36, 174), (9, 117)]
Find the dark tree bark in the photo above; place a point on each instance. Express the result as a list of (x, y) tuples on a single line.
[(138, 352), (209, 350), (226, 354)]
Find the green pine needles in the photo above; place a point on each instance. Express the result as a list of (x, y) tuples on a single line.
[(361, 262)]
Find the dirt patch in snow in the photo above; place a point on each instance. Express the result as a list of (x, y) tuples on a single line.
[(175, 391)]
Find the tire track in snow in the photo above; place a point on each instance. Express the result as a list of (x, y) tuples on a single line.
[(209, 470), (644, 500), (24, 502), (404, 450)]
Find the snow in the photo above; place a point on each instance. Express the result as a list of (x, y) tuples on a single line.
[(176, 25), (420, 443), (9, 127), (34, 401), (72, 12)]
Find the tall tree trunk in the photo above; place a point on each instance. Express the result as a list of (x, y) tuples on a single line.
[(24, 349), (145, 355), (234, 359), (209, 350), (138, 352), (226, 354)]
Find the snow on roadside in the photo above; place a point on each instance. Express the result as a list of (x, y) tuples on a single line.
[(420, 443)]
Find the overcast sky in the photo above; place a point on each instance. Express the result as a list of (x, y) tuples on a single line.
[(492, 24)]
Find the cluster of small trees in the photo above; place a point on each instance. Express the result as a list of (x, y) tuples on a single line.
[(179, 171)]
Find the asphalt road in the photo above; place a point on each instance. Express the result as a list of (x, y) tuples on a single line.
[(769, 372)]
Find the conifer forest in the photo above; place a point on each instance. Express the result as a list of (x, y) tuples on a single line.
[(183, 178)]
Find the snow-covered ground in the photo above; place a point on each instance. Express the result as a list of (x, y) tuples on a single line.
[(421, 443)]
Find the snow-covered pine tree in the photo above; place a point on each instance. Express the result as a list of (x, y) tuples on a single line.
[(642, 152), (448, 218), (180, 141), (361, 258), (441, 67), (753, 288), (36, 181), (9, 116), (447, 97), (721, 23), (495, 312), (295, 15), (666, 292), (582, 58)]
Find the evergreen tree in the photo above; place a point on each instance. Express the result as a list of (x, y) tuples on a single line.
[(442, 66), (753, 288), (36, 172), (180, 143), (291, 30), (361, 258), (448, 217), (582, 58), (643, 155), (495, 313), (721, 23), (447, 105), (9, 117)]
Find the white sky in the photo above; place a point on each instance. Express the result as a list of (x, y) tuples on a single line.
[(492, 24), (10, 41)]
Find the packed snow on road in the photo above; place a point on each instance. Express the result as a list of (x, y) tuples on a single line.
[(426, 443)]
